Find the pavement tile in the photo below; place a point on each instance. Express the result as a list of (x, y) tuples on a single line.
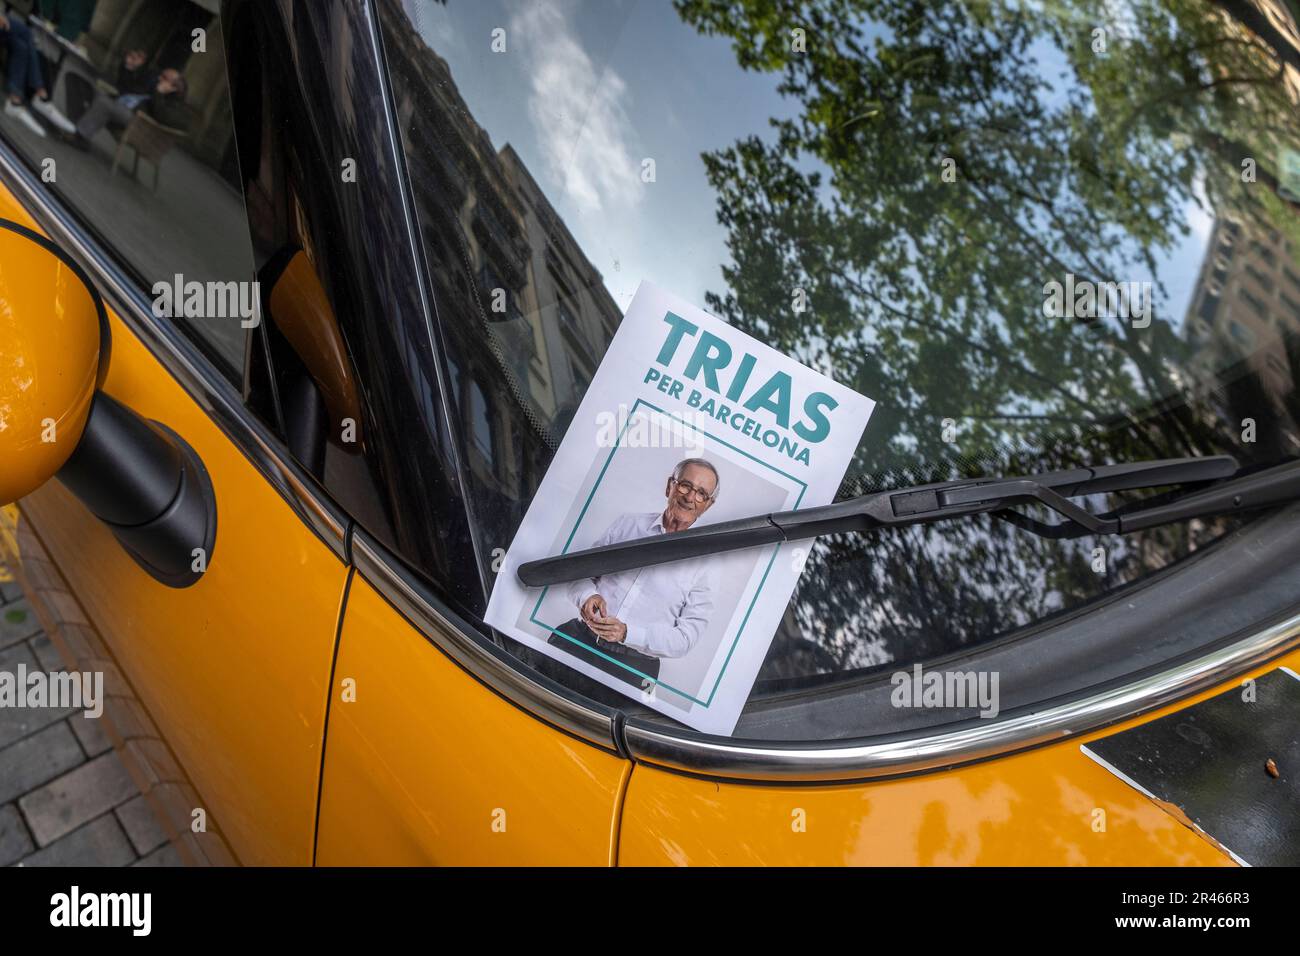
[(37, 574), (10, 657), (19, 722), (78, 796), (141, 825), (80, 642), (129, 717), (91, 733), (10, 591), (99, 843), (63, 607), (17, 623), (15, 842), (78, 812), (156, 760), (163, 856), (114, 682), (46, 653), (177, 802), (37, 759)]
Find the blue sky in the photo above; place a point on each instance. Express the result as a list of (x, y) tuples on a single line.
[(584, 96)]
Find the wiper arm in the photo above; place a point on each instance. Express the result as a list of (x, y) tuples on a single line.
[(925, 504)]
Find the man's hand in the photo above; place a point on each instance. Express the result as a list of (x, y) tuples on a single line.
[(134, 59), (4, 22), (594, 609), (610, 629)]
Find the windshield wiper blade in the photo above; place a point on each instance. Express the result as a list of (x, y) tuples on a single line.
[(925, 504)]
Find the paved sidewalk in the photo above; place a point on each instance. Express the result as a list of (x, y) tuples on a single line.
[(65, 797)]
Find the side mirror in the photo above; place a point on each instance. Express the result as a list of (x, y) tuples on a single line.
[(138, 477), (53, 338)]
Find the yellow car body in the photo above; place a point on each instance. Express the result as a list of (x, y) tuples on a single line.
[(308, 702)]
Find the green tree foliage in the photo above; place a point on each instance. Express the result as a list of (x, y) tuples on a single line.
[(942, 164)]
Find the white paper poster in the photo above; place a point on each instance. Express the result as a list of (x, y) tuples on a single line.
[(688, 422)]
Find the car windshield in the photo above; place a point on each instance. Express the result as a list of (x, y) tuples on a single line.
[(1038, 235)]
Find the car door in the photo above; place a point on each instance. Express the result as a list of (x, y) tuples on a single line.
[(232, 670), (442, 751)]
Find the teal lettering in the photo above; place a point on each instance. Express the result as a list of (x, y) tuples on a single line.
[(677, 328), (711, 354), (747, 363), (775, 397), (812, 407)]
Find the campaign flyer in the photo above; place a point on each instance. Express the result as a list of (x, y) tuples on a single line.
[(687, 422)]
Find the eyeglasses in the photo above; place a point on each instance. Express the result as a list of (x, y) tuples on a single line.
[(686, 488)]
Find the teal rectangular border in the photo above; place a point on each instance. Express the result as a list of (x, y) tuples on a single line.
[(803, 488)]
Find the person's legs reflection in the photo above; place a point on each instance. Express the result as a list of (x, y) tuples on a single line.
[(25, 75), (24, 71), (22, 63), (101, 112)]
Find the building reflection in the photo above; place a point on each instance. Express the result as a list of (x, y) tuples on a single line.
[(1243, 319), (505, 270), (1243, 326)]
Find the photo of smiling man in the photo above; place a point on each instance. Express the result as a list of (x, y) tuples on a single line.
[(636, 618)]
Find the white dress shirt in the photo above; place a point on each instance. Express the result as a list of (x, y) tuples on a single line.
[(666, 608)]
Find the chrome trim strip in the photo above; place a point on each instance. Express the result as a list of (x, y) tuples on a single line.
[(458, 640), (969, 741), (179, 356)]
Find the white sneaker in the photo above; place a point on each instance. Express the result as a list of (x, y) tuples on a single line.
[(19, 112), (51, 112)]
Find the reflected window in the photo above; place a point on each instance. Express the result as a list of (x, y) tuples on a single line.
[(1256, 304), (1292, 311), (1264, 281), (1241, 335)]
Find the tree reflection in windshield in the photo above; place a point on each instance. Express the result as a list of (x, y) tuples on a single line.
[(946, 164)]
